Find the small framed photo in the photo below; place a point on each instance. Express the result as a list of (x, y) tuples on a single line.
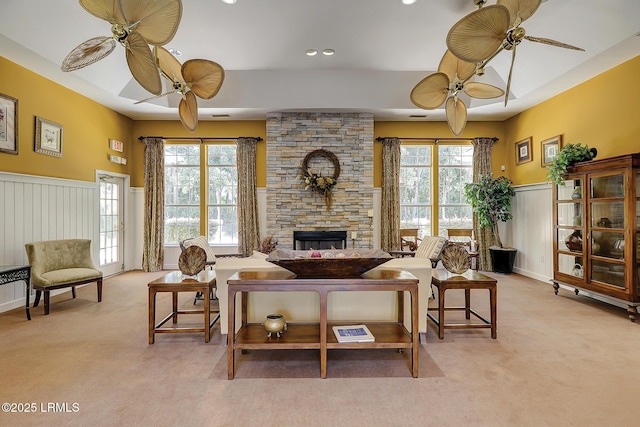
[(550, 148), (8, 124), (48, 137), (523, 151)]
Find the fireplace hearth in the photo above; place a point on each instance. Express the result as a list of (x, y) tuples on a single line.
[(305, 240)]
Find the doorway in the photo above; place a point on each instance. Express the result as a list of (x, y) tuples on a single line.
[(112, 225)]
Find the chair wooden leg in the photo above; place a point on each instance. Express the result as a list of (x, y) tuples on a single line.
[(73, 291), (46, 302), (37, 300), (99, 284)]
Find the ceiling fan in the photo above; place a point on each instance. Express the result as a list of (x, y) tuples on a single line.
[(199, 77), (481, 35), (452, 78), (134, 24)]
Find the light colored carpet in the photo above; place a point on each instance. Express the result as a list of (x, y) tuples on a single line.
[(561, 360)]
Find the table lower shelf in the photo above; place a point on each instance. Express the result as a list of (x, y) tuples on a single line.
[(307, 336)]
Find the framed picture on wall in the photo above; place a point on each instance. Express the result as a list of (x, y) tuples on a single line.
[(523, 151), (48, 137), (8, 124), (550, 148)]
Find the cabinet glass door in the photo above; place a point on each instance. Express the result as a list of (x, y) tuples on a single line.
[(607, 222), (570, 228)]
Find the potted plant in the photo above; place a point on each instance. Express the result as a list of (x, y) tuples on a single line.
[(490, 199), (567, 156)]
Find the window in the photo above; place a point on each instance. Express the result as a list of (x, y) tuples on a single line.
[(416, 188), (222, 200), (181, 192), (418, 181), (455, 169), (185, 205)]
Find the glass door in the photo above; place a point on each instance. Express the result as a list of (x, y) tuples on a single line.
[(111, 251), (607, 223), (570, 229)]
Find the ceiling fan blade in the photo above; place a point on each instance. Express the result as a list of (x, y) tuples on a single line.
[(142, 63), (109, 10), (204, 77), (431, 91), (478, 35), (157, 20), (88, 52), (552, 43), (169, 65), (520, 10), (188, 111), (482, 90), (453, 66), (513, 59), (456, 115), (155, 97)]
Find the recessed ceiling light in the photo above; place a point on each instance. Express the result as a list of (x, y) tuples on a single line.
[(174, 52), (328, 52), (311, 52), (229, 1), (408, 1)]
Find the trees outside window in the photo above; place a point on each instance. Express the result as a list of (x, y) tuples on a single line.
[(420, 181), (187, 200)]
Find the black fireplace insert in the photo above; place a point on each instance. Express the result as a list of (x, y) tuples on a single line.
[(305, 240)]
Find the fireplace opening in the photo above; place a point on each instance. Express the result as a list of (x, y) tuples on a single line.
[(305, 240)]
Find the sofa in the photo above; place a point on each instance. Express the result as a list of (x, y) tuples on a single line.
[(305, 306), (57, 264)]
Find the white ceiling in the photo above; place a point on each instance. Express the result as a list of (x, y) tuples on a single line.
[(383, 49)]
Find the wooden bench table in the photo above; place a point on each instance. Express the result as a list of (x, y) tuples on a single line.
[(445, 280), (174, 283)]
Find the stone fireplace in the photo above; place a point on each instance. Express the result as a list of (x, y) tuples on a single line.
[(289, 207)]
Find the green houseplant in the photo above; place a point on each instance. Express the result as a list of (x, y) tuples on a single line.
[(567, 156), (490, 198)]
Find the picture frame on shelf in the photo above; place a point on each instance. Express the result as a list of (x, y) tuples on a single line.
[(48, 137), (523, 151), (8, 124), (550, 149)]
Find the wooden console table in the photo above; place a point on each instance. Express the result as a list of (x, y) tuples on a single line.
[(13, 273), (320, 335)]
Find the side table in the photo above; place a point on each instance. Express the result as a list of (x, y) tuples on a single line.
[(174, 283), (13, 273), (471, 279)]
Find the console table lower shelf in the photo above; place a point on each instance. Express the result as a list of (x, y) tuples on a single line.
[(320, 336)]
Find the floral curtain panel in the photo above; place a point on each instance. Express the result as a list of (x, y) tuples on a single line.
[(153, 246), (482, 166), (248, 227), (390, 215)]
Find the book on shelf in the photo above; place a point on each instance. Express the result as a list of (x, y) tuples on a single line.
[(353, 333)]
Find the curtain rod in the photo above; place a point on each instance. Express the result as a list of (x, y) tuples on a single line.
[(195, 138), (382, 138)]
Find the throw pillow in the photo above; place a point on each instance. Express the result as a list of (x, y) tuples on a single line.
[(201, 242)]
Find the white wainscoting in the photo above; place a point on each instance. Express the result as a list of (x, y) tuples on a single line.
[(531, 231), (38, 208)]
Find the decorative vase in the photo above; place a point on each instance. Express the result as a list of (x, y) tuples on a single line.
[(577, 193), (275, 324)]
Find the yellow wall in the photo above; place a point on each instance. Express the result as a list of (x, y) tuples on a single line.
[(87, 128), (206, 129), (601, 112)]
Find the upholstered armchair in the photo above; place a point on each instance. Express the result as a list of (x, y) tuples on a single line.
[(430, 247)]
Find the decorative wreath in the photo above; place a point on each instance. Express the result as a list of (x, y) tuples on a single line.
[(316, 182)]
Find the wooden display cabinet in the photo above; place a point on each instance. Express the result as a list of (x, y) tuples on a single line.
[(596, 230)]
